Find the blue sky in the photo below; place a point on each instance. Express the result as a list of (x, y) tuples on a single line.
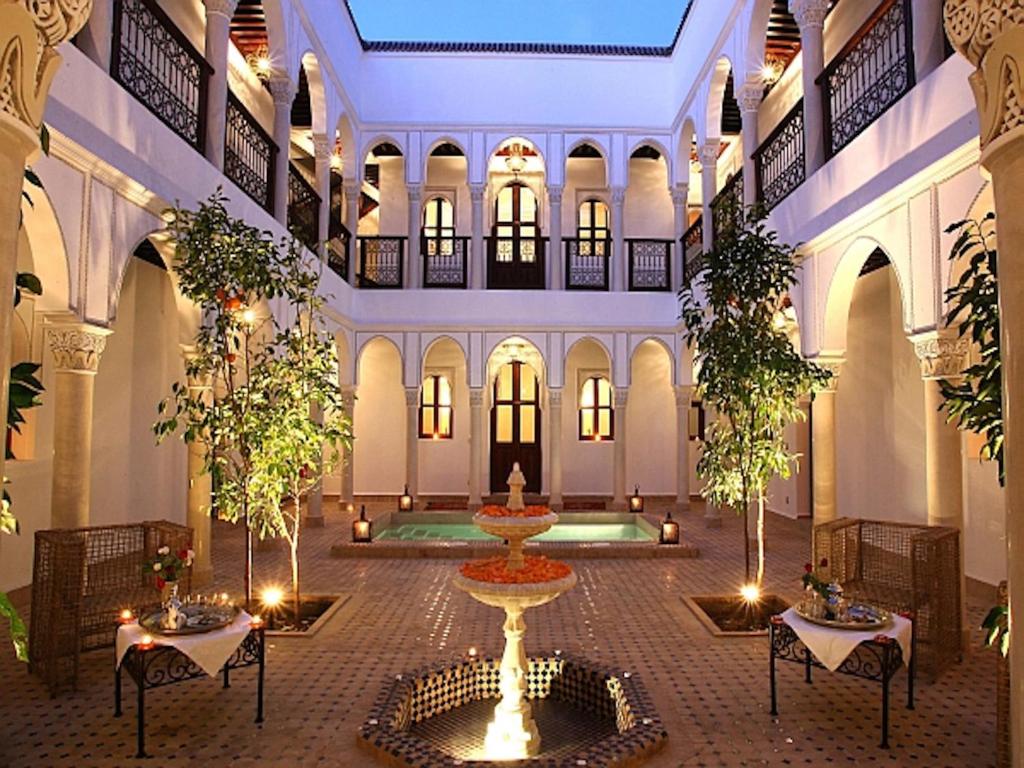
[(623, 22)]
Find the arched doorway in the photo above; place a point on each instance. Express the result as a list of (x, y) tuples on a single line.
[(517, 258), (516, 426)]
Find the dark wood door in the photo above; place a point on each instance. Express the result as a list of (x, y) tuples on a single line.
[(515, 250), (515, 426)]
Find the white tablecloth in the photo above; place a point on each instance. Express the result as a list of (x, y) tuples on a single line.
[(832, 646), (209, 649)]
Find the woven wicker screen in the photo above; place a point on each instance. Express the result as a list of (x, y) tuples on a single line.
[(901, 567), (82, 578)]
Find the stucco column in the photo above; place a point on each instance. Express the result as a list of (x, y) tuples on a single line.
[(810, 17), (556, 254), (218, 29), (200, 486), (412, 440), (683, 394), (322, 147), (352, 223), (348, 401), (477, 257), (993, 41), (77, 348), (618, 259), (823, 445), (708, 189), (283, 91), (415, 266), (555, 449), (680, 193), (749, 97), (619, 471), (944, 356), (929, 38), (96, 38), (476, 446), (33, 29)]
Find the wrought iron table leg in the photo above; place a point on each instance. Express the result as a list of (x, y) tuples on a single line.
[(771, 670), (227, 680), (141, 713), (259, 684), (117, 691), (807, 665), (911, 670), (886, 677)]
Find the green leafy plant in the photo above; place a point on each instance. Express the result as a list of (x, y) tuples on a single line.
[(975, 402), (749, 374), (265, 373), (997, 628)]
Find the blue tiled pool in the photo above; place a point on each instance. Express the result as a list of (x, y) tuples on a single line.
[(469, 532)]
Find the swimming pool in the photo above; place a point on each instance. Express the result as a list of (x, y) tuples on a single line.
[(567, 532)]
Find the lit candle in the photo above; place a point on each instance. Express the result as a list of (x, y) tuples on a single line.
[(257, 622), (145, 643), (126, 617)]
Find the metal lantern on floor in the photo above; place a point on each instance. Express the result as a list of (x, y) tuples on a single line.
[(405, 500), (636, 501), (362, 529), (669, 531)]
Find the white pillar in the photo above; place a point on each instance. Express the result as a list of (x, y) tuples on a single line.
[(96, 38), (810, 17), (476, 446), (555, 449), (929, 37), (823, 446), (218, 29), (680, 193), (412, 440), (708, 188), (348, 400), (619, 472), (684, 394), (77, 348), (283, 91), (750, 96), (555, 237), (618, 259), (478, 258), (200, 487), (322, 147), (415, 267), (352, 223)]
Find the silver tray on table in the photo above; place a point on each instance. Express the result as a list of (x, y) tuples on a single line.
[(883, 618), (201, 618)]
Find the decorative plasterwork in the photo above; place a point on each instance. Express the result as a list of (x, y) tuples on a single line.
[(990, 34), (680, 194), (282, 89), (709, 154), (78, 347), (225, 8), (476, 192), (476, 397), (555, 194), (833, 366), (809, 13), (29, 32), (621, 396), (942, 356), (412, 397), (749, 97), (684, 396), (555, 398)]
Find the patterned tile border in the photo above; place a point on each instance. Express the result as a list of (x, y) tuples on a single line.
[(429, 691)]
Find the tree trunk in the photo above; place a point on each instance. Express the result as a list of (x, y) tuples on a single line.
[(296, 594), (760, 538), (248, 550)]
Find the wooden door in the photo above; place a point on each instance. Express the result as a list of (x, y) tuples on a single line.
[(515, 426), (516, 252)]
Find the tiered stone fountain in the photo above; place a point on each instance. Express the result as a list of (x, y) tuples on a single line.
[(514, 584)]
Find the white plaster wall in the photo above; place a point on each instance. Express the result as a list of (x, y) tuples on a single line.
[(379, 421), (584, 178), (394, 200), (648, 208), (444, 464), (587, 466), (984, 519), (447, 176), (651, 439)]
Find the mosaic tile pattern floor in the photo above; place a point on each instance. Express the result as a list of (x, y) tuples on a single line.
[(711, 693)]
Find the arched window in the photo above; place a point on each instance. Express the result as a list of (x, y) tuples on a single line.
[(438, 227), (436, 408), (593, 228), (515, 223), (597, 418)]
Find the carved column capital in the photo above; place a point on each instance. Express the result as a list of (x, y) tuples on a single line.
[(77, 347), (415, 193), (621, 396), (990, 35), (618, 196), (749, 97), (412, 397), (225, 8), (680, 194), (282, 89), (555, 194), (351, 189), (833, 366), (809, 13), (555, 397), (943, 355), (348, 397), (708, 154), (476, 192), (476, 397), (684, 395), (321, 148)]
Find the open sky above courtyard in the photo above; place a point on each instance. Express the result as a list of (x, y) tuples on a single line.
[(583, 22)]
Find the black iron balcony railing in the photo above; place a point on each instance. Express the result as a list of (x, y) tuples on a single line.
[(586, 264), (444, 261), (303, 209), (249, 154), (380, 262), (339, 239), (650, 264), (516, 262), (693, 250), (157, 64), (870, 74), (727, 207), (780, 160)]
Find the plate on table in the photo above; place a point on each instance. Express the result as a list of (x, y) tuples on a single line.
[(199, 619), (860, 617)]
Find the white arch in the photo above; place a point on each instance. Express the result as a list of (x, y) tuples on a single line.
[(716, 96), (363, 344), (679, 171), (445, 139), (534, 145), (757, 34), (597, 144), (532, 349), (48, 250), (380, 138), (317, 93), (638, 341)]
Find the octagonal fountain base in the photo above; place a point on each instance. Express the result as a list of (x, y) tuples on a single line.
[(587, 714)]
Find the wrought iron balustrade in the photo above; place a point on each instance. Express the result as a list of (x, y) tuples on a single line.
[(516, 262), (156, 63), (303, 209), (693, 250), (444, 261), (779, 161), (870, 74), (249, 154), (339, 238), (650, 264), (727, 207), (380, 261), (586, 264)]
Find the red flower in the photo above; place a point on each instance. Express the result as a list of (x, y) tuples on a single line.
[(221, 294), (824, 562), (160, 583), (809, 568), (183, 554)]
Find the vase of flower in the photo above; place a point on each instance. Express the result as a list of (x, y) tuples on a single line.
[(172, 617), (166, 567)]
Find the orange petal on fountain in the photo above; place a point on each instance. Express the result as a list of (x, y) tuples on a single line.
[(532, 510), (494, 570)]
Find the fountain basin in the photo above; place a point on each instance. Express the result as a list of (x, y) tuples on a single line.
[(515, 528)]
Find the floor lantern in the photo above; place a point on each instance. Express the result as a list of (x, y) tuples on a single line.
[(362, 529), (636, 501), (405, 500), (669, 531)]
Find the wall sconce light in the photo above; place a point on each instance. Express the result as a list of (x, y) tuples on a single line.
[(515, 161), (669, 531), (636, 501), (405, 500), (260, 63), (772, 70), (362, 529)]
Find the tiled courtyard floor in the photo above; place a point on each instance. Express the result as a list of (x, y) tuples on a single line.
[(712, 693)]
